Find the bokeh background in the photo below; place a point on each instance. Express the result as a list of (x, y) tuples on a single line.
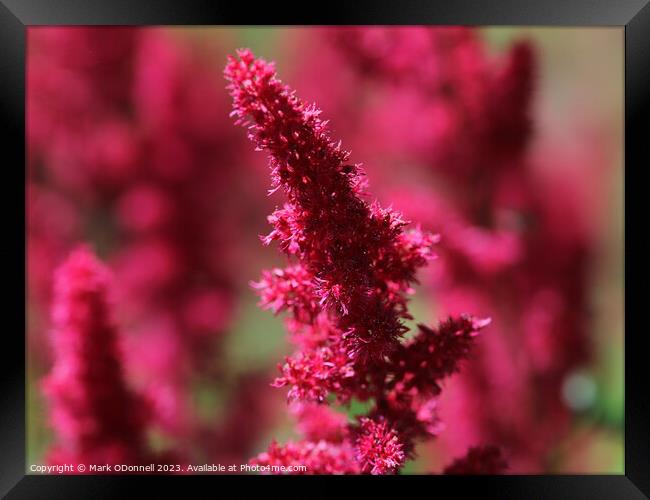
[(131, 149)]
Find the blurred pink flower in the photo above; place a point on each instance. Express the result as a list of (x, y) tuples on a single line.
[(130, 146), (515, 237), (96, 416)]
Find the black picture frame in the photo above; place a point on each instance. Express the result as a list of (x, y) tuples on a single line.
[(633, 15)]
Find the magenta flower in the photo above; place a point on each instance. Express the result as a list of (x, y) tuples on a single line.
[(378, 448), (353, 264), (96, 417), (313, 374), (358, 256)]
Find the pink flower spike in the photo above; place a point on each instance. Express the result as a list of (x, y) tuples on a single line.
[(358, 255), (353, 268), (95, 415)]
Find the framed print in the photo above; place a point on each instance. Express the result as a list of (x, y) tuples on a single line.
[(383, 245)]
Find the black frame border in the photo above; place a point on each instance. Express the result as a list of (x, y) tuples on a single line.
[(633, 15)]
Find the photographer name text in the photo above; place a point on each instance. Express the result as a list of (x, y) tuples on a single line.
[(164, 468)]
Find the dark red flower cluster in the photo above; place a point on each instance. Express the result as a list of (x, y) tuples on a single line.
[(354, 266), (359, 259)]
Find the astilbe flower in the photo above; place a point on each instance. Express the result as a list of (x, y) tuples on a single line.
[(358, 255), (354, 265), (506, 248), (97, 418)]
